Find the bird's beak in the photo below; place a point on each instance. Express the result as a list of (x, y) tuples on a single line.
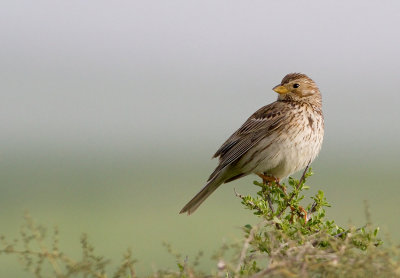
[(280, 89)]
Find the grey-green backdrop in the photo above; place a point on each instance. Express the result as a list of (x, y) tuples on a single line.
[(110, 112)]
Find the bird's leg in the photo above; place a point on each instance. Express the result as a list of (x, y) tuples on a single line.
[(269, 179)]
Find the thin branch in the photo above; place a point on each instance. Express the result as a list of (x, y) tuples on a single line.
[(242, 197), (271, 206), (304, 174), (293, 192), (184, 266), (266, 192), (345, 232), (38, 237), (246, 245), (266, 271), (311, 210), (238, 194)]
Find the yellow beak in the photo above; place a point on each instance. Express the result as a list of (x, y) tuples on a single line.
[(280, 89)]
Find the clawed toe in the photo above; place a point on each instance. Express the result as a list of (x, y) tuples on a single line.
[(268, 179)]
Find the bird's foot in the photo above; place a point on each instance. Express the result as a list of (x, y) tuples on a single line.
[(267, 179)]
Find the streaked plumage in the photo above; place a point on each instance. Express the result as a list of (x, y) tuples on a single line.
[(277, 140)]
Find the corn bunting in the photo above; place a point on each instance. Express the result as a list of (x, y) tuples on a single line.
[(277, 140)]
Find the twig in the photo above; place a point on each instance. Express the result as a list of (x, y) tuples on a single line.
[(38, 237), (242, 197), (266, 271), (184, 266), (304, 174), (246, 245), (297, 188), (345, 232), (311, 211), (271, 206), (238, 194), (266, 192)]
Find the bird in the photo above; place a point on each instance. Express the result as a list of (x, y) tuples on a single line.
[(278, 140)]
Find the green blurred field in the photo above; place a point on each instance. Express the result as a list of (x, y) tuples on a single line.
[(133, 200)]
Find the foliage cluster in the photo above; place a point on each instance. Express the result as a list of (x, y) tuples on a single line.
[(289, 241)]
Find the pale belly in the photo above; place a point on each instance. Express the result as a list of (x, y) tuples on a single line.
[(285, 155)]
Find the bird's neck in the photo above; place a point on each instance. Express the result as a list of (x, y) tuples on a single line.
[(314, 101)]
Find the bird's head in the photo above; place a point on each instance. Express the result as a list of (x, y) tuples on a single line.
[(297, 86)]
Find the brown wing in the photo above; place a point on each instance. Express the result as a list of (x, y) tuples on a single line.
[(257, 127)]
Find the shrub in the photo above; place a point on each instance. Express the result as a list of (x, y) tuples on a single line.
[(289, 241)]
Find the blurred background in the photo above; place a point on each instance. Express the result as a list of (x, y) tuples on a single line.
[(110, 112)]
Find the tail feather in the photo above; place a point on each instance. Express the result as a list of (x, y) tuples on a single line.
[(200, 197)]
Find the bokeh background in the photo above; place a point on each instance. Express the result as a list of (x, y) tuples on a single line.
[(110, 112)]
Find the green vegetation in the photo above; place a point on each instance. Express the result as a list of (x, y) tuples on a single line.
[(289, 241)]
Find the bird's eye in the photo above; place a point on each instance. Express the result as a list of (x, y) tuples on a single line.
[(296, 85)]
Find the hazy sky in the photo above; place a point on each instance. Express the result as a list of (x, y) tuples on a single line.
[(146, 74)]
